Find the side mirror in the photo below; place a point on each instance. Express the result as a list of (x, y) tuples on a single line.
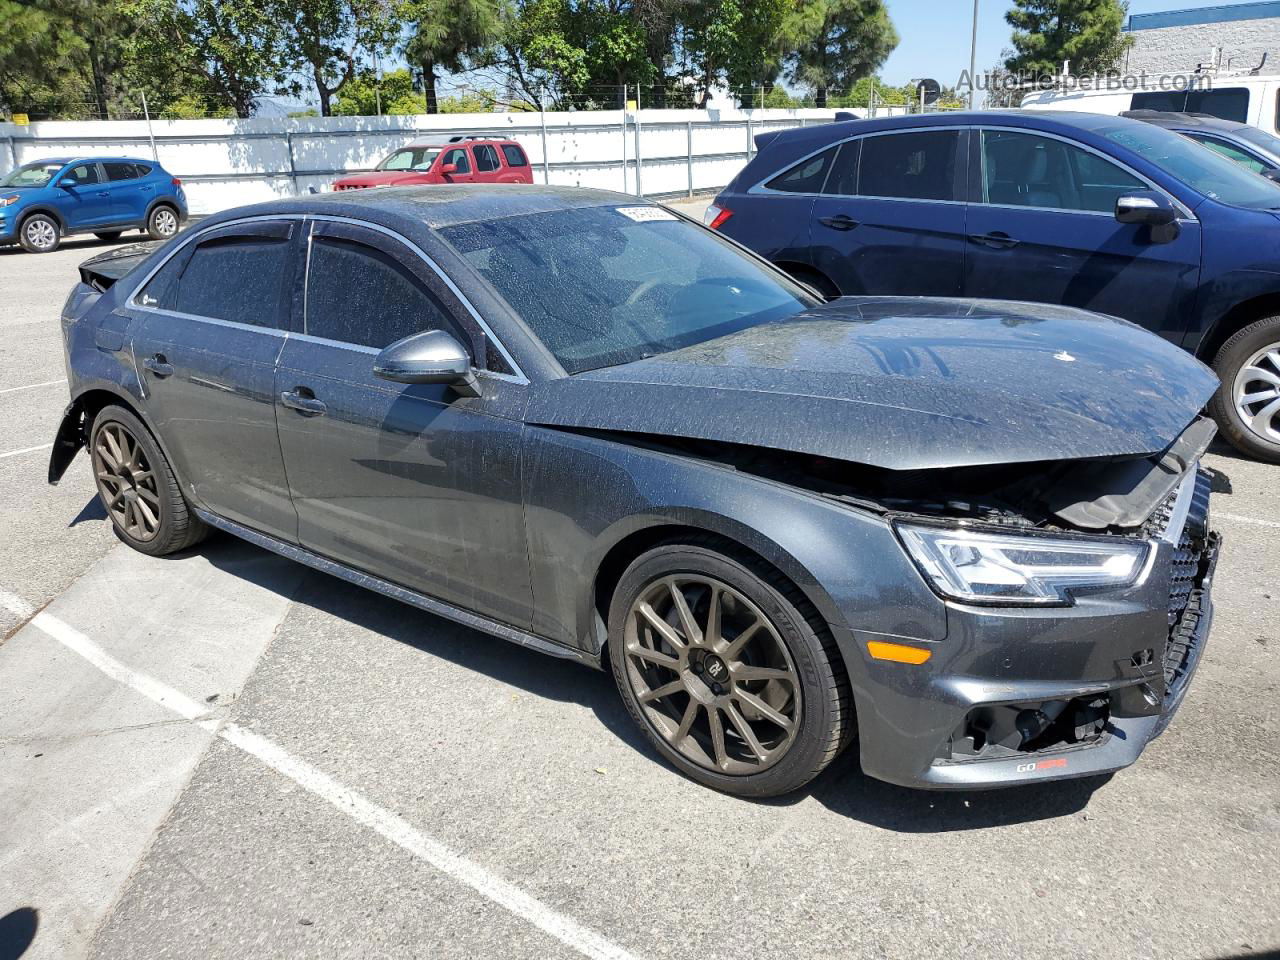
[(429, 357), (1145, 206), (448, 169), (66, 183)]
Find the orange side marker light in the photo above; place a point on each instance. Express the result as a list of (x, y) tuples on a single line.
[(897, 652)]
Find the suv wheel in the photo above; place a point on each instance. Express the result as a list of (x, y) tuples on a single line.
[(730, 681), (40, 234), (162, 223), (1247, 405), (137, 486)]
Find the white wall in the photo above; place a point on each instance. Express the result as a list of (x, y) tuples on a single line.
[(225, 163), (1179, 49)]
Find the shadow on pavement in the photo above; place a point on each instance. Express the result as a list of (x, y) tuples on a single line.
[(93, 510), (17, 932), (842, 788)]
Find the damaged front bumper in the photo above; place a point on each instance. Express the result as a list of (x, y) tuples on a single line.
[(1019, 695)]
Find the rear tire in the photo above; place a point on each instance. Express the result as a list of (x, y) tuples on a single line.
[(39, 233), (759, 703), (162, 222), (812, 278), (1247, 405), (109, 236), (137, 486)]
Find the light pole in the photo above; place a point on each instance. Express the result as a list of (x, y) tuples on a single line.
[(973, 55)]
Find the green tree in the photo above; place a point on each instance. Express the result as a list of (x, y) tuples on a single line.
[(223, 52), (444, 34), (1088, 33), (846, 41), (741, 43), (329, 38)]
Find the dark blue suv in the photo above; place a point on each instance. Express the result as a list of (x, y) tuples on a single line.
[(42, 202), (1106, 213)]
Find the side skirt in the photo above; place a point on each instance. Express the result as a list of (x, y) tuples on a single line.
[(396, 592)]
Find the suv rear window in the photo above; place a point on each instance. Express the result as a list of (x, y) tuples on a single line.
[(121, 171), (515, 155), (1228, 103)]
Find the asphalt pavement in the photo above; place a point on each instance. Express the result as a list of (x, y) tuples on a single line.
[(225, 754)]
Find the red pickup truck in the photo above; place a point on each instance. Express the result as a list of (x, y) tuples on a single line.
[(458, 159)]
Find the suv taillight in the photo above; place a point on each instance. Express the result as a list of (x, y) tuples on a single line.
[(716, 216), (177, 182)]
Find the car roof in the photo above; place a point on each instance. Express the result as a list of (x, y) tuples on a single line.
[(1180, 120), (455, 141), (438, 205), (93, 159)]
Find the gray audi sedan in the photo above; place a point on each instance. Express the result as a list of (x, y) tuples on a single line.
[(972, 535)]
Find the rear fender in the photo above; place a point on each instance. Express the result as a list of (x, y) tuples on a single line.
[(68, 441)]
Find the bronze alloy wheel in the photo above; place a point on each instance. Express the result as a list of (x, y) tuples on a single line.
[(126, 482), (711, 674)]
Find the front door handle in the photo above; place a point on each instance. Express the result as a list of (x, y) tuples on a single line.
[(309, 405), (159, 366), (103, 193), (997, 240), (841, 221)]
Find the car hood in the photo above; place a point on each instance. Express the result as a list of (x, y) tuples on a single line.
[(905, 384), (382, 178)]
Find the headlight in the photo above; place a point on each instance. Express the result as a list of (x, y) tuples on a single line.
[(6, 201), (981, 567)]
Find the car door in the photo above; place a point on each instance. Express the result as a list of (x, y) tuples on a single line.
[(1043, 228), (891, 217), (488, 166), (460, 157), (412, 483), (83, 198), (128, 193), (216, 316), (776, 220)]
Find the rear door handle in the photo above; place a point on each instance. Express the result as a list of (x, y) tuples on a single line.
[(841, 221), (304, 404), (997, 240), (158, 366)]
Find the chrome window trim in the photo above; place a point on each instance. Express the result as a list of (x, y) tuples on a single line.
[(1187, 215), (762, 190), (134, 302)]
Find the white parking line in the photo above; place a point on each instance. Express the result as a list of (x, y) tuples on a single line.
[(32, 386), (381, 820), (18, 453), (1253, 520)]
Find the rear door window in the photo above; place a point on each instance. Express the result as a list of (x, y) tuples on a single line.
[(486, 158), (117, 171), (807, 176), (912, 166), (238, 277), (843, 180), (515, 155), (360, 295)]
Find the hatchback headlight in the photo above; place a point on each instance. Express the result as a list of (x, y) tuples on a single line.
[(6, 201), (982, 567)]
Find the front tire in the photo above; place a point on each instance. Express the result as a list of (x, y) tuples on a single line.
[(727, 670), (137, 486), (1247, 405), (162, 222), (40, 233)]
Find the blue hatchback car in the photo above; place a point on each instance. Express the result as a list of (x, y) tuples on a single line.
[(1106, 213), (44, 201)]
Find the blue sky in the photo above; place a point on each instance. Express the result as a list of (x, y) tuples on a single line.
[(934, 34)]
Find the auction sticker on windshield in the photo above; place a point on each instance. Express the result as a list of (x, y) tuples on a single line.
[(646, 214)]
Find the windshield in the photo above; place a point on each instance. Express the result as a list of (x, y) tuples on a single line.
[(411, 158), (1208, 172), (607, 285), (31, 175)]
